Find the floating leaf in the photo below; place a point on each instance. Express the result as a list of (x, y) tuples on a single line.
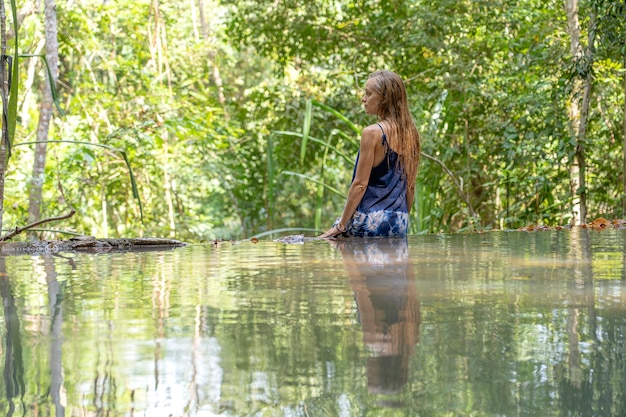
[(600, 223)]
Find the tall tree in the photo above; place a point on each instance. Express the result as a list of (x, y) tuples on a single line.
[(573, 30), (4, 140), (584, 57), (586, 73), (212, 56), (45, 112)]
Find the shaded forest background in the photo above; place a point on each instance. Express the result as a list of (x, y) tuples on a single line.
[(242, 117)]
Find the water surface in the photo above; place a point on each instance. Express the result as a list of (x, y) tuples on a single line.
[(494, 324)]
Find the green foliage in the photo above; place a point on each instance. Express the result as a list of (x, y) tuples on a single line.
[(133, 182), (250, 123), (486, 105)]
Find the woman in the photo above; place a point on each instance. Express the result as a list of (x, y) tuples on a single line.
[(383, 182)]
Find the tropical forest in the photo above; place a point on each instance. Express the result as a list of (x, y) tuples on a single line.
[(208, 119)]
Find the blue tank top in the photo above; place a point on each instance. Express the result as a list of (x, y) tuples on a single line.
[(386, 189)]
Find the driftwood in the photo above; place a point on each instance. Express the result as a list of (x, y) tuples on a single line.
[(90, 244)]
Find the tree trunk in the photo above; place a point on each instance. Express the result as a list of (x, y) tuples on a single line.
[(192, 4), (589, 58), (579, 113), (624, 147), (158, 46), (5, 98), (580, 150), (573, 30), (104, 226), (167, 184), (12, 352), (55, 297), (28, 84), (217, 77), (45, 113)]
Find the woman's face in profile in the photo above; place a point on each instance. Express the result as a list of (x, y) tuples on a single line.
[(371, 99)]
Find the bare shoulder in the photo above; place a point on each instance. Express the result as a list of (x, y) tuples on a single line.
[(371, 135), (372, 129)]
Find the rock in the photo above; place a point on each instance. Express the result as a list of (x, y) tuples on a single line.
[(295, 239)]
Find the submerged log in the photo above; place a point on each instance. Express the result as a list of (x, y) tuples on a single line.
[(89, 244)]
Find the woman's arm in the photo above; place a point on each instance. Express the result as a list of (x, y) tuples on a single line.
[(370, 138)]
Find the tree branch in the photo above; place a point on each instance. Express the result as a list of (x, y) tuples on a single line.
[(19, 230), (454, 181)]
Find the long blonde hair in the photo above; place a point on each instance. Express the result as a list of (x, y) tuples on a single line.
[(394, 110)]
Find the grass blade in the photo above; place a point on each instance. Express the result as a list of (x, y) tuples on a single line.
[(270, 178), (306, 129), (53, 88), (338, 115), (319, 141), (307, 178)]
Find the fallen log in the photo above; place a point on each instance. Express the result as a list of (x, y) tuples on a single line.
[(90, 244)]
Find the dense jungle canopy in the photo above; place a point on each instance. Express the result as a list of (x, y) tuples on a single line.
[(241, 117)]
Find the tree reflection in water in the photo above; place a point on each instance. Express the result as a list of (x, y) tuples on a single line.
[(382, 278), (13, 364), (55, 296)]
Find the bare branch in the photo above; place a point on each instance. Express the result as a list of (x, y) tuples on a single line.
[(19, 230), (458, 186)]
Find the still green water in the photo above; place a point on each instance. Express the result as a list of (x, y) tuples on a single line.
[(494, 324)]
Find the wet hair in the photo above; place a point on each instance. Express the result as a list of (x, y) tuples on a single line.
[(394, 110)]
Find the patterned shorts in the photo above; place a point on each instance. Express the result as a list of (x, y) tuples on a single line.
[(377, 223)]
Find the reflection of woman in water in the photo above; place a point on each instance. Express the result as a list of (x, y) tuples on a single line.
[(383, 281)]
